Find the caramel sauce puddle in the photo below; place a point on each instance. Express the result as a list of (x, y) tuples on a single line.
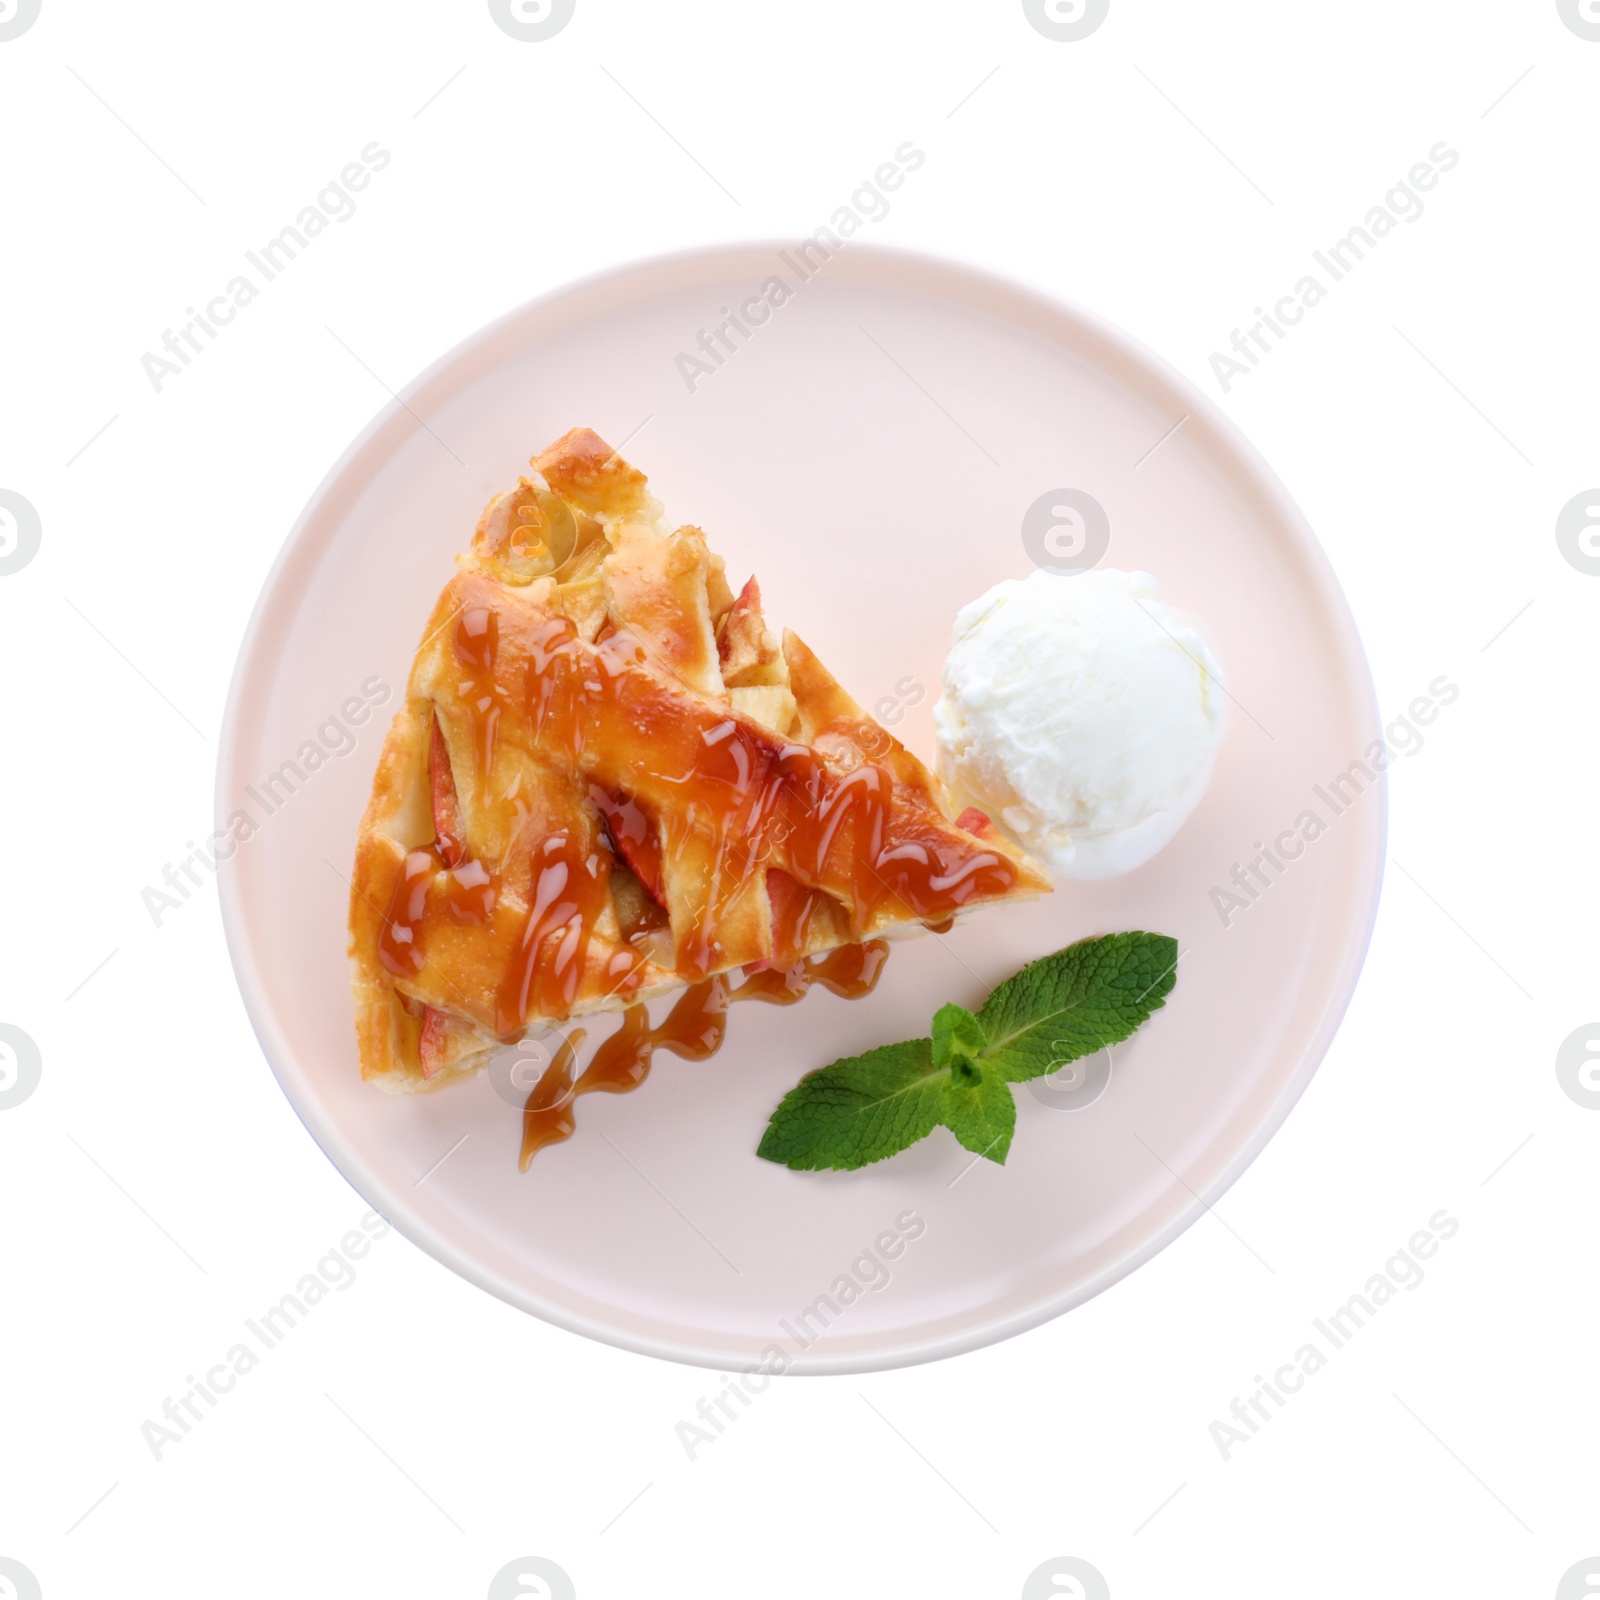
[(693, 1029)]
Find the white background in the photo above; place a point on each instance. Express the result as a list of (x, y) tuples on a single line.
[(1432, 417)]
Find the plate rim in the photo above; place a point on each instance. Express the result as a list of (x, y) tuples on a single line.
[(391, 1205)]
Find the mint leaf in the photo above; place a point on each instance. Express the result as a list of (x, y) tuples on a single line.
[(1092, 994), (957, 1034), (982, 1116), (858, 1110), (864, 1108)]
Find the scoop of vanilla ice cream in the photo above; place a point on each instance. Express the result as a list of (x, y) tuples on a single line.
[(1082, 715)]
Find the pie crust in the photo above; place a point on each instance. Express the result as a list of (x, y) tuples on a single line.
[(611, 779)]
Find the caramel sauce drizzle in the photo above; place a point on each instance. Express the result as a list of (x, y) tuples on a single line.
[(477, 645), (763, 802), (693, 1029), (744, 801), (571, 887), (429, 888), (547, 1117)]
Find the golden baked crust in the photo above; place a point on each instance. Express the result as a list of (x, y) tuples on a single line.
[(610, 779)]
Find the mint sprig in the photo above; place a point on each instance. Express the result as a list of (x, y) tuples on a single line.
[(866, 1108)]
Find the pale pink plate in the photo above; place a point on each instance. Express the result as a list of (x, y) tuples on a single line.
[(870, 450)]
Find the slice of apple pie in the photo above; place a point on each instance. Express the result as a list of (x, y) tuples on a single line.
[(609, 780)]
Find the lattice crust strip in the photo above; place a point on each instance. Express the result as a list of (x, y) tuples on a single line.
[(610, 778)]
